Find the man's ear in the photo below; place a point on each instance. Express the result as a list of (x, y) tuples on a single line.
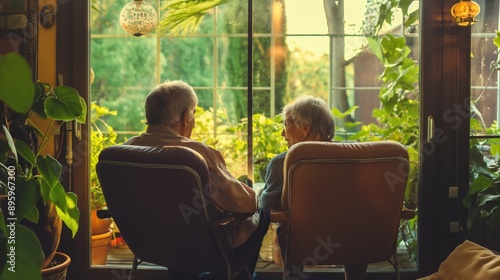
[(185, 118)]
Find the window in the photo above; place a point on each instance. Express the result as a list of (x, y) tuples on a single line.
[(485, 134), (297, 49)]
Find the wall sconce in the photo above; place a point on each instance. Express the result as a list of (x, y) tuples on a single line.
[(138, 18), (47, 16), (465, 12)]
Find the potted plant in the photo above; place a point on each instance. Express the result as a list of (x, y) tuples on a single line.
[(102, 135), (31, 180)]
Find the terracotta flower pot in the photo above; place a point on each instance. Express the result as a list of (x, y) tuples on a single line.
[(57, 271), (100, 247)]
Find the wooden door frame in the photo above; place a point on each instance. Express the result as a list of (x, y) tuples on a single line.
[(444, 161)]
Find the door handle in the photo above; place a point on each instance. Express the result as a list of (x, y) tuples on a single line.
[(430, 128)]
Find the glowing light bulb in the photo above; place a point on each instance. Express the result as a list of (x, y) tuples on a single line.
[(465, 12)]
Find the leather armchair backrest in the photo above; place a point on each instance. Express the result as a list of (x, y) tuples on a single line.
[(158, 197), (344, 201)]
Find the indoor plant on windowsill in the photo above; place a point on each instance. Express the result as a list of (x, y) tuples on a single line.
[(101, 136), (31, 180)]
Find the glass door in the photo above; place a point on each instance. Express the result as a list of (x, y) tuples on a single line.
[(339, 60), (482, 198)]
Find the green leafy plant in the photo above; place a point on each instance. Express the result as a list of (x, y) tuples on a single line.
[(210, 125), (183, 16), (102, 135), (230, 139), (483, 197), (266, 139), (32, 176)]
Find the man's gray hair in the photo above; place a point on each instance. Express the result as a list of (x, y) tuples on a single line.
[(313, 112), (166, 103)]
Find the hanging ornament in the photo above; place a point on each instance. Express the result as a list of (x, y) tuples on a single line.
[(138, 18)]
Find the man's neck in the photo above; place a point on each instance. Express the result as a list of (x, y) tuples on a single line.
[(163, 129)]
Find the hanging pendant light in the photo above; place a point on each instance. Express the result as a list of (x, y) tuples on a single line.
[(138, 18), (465, 12)]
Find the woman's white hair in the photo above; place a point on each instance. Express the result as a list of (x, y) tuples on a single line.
[(313, 112)]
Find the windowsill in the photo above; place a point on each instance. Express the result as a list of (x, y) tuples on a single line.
[(123, 257)]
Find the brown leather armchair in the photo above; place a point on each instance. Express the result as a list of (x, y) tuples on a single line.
[(159, 198), (341, 203)]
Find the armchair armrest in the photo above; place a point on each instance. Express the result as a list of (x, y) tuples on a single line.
[(103, 214), (226, 221), (408, 214), (278, 216)]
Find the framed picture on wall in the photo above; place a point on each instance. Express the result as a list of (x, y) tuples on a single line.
[(19, 29)]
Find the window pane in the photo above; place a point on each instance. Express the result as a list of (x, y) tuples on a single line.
[(305, 17), (485, 112), (107, 20), (189, 59), (484, 76), (232, 64), (262, 102)]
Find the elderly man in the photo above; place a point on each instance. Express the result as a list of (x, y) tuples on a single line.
[(170, 109)]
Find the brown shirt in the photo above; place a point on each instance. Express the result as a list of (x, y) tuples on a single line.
[(228, 193)]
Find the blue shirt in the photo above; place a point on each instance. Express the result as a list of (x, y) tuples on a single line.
[(271, 195)]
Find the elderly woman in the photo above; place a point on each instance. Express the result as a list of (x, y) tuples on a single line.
[(306, 119)]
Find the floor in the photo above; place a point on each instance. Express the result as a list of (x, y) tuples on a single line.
[(124, 257)]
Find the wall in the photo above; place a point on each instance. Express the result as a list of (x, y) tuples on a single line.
[(47, 48), (46, 62)]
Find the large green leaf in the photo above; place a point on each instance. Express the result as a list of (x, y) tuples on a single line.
[(33, 215), (336, 112), (27, 195), (488, 200), (82, 118), (66, 203), (28, 259), (10, 141), (16, 85), (480, 183), (183, 16), (45, 189), (38, 103), (375, 47), (496, 41), (50, 169), (66, 105), (25, 151), (412, 18)]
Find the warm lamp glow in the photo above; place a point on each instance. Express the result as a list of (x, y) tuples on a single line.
[(138, 18), (465, 12)]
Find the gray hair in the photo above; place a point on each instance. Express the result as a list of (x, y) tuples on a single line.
[(166, 103), (313, 112)]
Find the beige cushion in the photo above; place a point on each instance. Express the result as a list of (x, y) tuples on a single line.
[(469, 261)]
